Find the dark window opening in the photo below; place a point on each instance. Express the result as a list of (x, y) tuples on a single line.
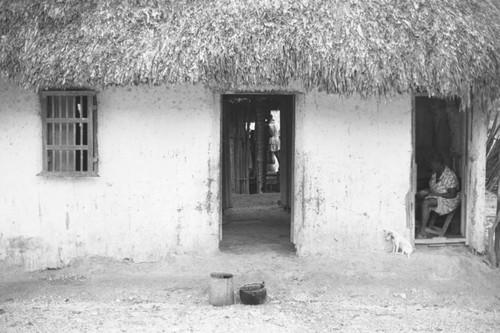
[(69, 132)]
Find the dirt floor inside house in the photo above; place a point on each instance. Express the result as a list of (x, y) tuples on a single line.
[(438, 289)]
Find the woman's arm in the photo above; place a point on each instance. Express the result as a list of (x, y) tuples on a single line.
[(450, 193), (423, 193)]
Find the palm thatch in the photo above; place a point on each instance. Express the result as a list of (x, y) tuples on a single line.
[(371, 47)]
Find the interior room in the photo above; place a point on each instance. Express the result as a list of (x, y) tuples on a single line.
[(257, 164), (439, 129)]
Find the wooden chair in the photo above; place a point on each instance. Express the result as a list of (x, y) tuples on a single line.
[(432, 229)]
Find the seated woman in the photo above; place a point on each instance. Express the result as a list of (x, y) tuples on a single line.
[(442, 195)]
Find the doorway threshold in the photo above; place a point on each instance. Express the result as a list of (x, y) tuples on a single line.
[(436, 241)]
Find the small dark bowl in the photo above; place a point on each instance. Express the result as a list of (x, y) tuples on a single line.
[(253, 293)]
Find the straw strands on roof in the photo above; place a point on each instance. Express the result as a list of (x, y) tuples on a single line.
[(372, 47)]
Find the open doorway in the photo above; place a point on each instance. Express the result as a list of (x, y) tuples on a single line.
[(257, 172), (440, 130)]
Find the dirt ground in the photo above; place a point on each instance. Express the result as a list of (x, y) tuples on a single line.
[(437, 290), (440, 289)]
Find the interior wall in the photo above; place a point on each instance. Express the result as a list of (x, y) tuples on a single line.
[(439, 128), (158, 187), (352, 174), (247, 164)]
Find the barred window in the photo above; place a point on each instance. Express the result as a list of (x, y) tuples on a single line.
[(69, 133)]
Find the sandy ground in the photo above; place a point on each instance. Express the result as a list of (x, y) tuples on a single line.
[(447, 290), (437, 290)]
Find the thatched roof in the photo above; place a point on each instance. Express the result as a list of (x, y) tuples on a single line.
[(343, 46)]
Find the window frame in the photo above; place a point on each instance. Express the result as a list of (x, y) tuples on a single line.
[(91, 146)]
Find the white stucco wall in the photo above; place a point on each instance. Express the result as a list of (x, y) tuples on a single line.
[(476, 189), (352, 172), (158, 190), (158, 187)]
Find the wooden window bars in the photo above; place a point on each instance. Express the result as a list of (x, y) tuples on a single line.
[(69, 133)]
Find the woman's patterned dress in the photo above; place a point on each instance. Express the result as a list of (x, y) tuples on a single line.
[(448, 180)]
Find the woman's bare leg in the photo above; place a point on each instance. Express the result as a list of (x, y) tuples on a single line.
[(427, 204)]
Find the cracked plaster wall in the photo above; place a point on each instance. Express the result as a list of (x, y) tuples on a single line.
[(157, 192), (352, 172)]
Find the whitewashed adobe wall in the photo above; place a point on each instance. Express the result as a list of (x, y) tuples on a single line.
[(352, 172), (158, 190), (159, 164), (476, 195)]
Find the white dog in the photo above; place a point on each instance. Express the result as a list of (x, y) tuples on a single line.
[(400, 245)]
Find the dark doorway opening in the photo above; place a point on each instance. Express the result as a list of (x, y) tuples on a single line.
[(440, 129), (257, 172)]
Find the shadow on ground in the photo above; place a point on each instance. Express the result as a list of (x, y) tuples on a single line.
[(258, 229)]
